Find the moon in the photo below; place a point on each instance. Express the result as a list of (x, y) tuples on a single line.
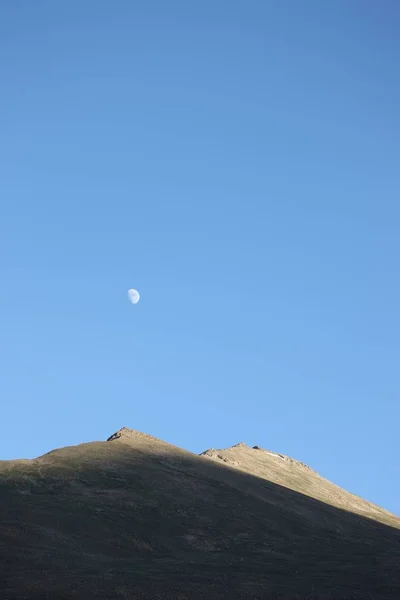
[(134, 296)]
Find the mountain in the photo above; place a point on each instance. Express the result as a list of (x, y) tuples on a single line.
[(137, 518)]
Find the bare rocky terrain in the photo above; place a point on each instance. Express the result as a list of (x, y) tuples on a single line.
[(137, 518)]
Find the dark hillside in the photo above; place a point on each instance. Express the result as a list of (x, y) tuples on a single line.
[(135, 517)]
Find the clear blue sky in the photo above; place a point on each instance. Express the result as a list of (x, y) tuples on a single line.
[(238, 163)]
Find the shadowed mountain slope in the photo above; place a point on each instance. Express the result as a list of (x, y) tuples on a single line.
[(135, 517)]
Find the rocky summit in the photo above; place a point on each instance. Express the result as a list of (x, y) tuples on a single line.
[(137, 518)]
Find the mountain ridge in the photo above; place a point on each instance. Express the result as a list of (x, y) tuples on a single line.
[(138, 518), (126, 434)]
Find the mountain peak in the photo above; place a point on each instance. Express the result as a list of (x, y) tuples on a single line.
[(123, 432), (126, 434), (136, 438)]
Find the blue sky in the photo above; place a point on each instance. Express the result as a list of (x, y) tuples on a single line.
[(238, 163)]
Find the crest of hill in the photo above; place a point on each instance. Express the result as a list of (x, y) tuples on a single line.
[(146, 442), (133, 436)]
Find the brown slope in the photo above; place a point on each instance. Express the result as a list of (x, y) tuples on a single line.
[(295, 475), (138, 518)]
